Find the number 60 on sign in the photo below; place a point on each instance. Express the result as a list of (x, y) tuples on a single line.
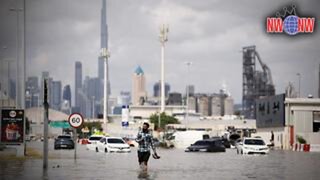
[(75, 120)]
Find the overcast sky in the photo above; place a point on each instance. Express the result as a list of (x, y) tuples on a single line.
[(210, 33)]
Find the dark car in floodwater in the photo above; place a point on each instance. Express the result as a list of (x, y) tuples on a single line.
[(207, 145), (63, 142)]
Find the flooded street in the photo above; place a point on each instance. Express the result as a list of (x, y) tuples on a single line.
[(174, 164)]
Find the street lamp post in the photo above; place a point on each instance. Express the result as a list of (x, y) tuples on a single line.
[(105, 54), (187, 91), (299, 78), (8, 72), (18, 80), (163, 39)]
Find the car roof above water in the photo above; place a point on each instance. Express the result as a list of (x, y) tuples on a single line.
[(64, 136), (254, 138)]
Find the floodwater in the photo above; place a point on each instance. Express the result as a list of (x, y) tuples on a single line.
[(173, 164)]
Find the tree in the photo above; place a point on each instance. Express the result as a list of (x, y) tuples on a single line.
[(164, 119)]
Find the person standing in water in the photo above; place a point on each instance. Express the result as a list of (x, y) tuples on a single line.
[(145, 140), (272, 139)]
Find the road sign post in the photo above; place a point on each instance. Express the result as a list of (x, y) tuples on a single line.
[(75, 120), (45, 125)]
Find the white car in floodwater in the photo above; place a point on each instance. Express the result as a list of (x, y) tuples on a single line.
[(112, 144), (92, 141), (252, 146)]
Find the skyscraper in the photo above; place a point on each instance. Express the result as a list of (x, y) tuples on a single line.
[(78, 82), (103, 44), (32, 92), (191, 90), (55, 95), (157, 89), (139, 92), (66, 100), (67, 93), (32, 84)]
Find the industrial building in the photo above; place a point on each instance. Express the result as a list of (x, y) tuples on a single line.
[(289, 118), (256, 83), (217, 104)]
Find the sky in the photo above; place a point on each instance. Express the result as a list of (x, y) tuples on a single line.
[(209, 33)]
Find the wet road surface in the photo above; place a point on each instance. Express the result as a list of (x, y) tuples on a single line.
[(174, 164)]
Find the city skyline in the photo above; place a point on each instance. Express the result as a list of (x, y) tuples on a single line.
[(197, 34)]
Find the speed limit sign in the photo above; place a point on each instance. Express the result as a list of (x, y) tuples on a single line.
[(75, 120)]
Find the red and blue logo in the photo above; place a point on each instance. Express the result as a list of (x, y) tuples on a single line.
[(289, 22)]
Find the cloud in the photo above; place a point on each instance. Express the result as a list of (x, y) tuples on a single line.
[(211, 34)]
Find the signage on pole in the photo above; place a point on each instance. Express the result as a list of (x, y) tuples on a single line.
[(12, 126), (125, 116), (75, 120)]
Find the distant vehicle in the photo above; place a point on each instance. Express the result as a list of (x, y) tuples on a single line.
[(207, 145), (92, 141), (63, 142), (252, 146), (112, 144), (226, 143)]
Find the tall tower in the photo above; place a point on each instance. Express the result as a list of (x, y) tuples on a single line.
[(255, 83), (319, 83), (138, 87), (103, 44), (78, 83), (67, 93), (163, 39)]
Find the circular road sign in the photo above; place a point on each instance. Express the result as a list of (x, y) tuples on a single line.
[(75, 120)]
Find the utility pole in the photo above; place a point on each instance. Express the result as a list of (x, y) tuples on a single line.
[(105, 54), (45, 123), (18, 79), (163, 39), (187, 93)]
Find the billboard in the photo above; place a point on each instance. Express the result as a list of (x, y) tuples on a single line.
[(270, 111), (125, 116), (12, 125)]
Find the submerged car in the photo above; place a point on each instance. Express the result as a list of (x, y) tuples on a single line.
[(207, 145), (92, 141), (63, 142), (252, 146), (112, 144)]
